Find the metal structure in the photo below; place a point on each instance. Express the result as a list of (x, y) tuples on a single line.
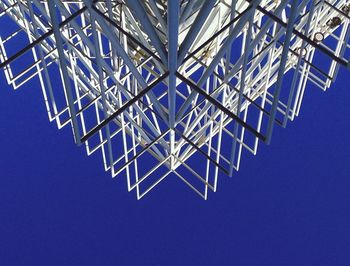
[(176, 87)]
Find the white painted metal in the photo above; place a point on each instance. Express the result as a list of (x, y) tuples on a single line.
[(180, 87)]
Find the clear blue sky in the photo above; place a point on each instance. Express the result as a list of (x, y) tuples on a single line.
[(289, 205)]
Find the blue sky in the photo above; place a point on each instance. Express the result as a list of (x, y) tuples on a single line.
[(289, 205)]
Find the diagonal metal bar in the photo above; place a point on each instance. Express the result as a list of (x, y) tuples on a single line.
[(64, 71), (124, 107), (149, 29), (220, 106), (195, 28), (41, 38)]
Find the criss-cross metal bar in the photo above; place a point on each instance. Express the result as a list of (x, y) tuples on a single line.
[(176, 88)]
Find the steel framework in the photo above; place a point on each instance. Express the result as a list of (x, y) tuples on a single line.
[(178, 87)]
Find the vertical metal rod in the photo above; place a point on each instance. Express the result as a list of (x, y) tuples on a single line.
[(173, 31), (64, 70), (283, 62)]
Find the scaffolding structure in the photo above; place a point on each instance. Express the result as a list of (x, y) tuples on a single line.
[(177, 87)]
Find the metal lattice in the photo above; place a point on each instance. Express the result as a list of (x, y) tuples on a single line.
[(179, 87)]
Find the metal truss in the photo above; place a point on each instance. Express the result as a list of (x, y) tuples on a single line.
[(180, 87)]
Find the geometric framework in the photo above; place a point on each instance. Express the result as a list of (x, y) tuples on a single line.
[(173, 87)]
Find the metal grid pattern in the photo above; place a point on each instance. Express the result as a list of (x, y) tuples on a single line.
[(179, 87)]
